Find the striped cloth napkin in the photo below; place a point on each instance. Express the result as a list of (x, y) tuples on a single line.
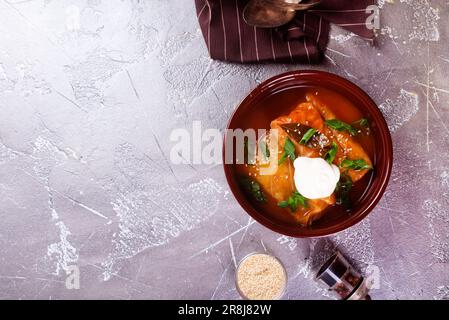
[(303, 40)]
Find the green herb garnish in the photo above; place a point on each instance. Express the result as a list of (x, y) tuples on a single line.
[(358, 164), (330, 155), (341, 126), (295, 200), (265, 149), (289, 151), (363, 122), (283, 204), (254, 189), (307, 136), (248, 155), (344, 185)]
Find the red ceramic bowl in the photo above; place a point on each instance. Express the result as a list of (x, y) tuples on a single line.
[(382, 160)]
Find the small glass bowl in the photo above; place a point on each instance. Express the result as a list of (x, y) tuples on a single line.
[(281, 293)]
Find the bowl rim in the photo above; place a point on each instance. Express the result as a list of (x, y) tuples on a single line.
[(386, 146)]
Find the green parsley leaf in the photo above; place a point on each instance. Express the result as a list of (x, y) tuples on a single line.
[(307, 136), (363, 122), (330, 155), (358, 164), (282, 159), (289, 151), (283, 204), (295, 200), (248, 152), (344, 185), (341, 126), (254, 189), (265, 149)]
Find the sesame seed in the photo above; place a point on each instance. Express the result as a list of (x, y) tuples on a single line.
[(261, 277)]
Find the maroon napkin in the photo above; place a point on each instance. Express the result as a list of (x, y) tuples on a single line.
[(303, 40)]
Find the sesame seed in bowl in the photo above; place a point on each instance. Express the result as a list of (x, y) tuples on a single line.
[(260, 276)]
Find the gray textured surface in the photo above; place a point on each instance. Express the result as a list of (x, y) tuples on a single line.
[(85, 114)]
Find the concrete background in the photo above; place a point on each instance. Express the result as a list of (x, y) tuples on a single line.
[(89, 93)]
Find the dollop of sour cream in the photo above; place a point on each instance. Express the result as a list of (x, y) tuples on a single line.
[(315, 178)]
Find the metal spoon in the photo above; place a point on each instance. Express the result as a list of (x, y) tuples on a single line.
[(273, 13)]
